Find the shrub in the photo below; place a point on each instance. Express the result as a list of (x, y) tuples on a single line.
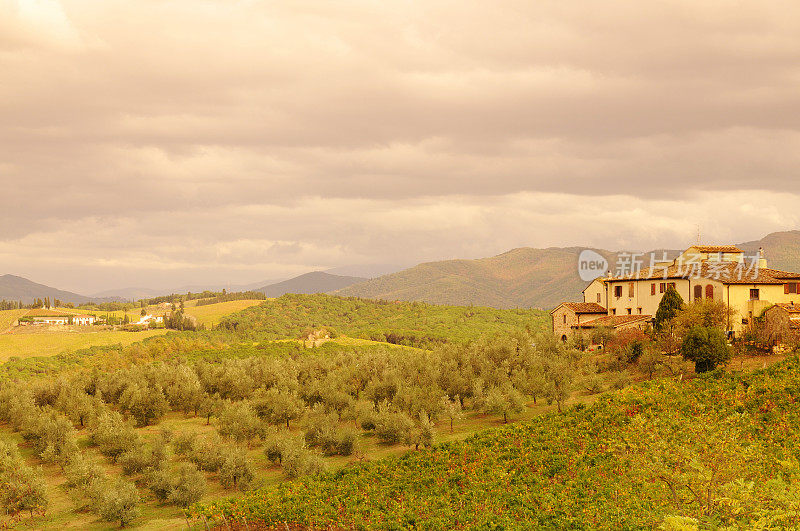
[(236, 470), (188, 486), (706, 347), (160, 483), (184, 442), (392, 426), (207, 452), (277, 443), (53, 437), (81, 471), (146, 404), (238, 421), (120, 502), (112, 435), (300, 461), (143, 457), (22, 488)]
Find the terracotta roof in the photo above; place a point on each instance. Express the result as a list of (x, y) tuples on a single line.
[(615, 320), (716, 248), (725, 272), (585, 307)]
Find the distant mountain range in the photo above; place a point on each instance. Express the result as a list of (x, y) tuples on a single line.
[(14, 288), (520, 278), (526, 277), (134, 294), (315, 282)]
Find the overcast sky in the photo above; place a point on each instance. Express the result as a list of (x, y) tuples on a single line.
[(159, 143)]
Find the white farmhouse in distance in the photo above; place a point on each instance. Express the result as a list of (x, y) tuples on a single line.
[(83, 320), (147, 319)]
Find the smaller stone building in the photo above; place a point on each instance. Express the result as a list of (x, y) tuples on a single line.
[(569, 316)]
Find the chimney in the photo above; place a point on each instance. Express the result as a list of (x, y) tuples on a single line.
[(762, 262)]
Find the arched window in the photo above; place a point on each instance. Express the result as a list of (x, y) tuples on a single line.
[(710, 292), (564, 338), (698, 292)]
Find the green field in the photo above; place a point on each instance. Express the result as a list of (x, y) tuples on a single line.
[(211, 314), (45, 343)]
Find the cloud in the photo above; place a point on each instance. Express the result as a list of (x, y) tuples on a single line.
[(237, 138)]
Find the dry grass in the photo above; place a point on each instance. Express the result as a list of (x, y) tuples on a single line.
[(7, 318), (26, 342)]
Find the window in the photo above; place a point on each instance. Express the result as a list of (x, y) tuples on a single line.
[(613, 311), (698, 292), (754, 294), (598, 298), (640, 311), (630, 311), (565, 318), (662, 287), (618, 291), (791, 287), (710, 292), (631, 289), (671, 285), (653, 288)]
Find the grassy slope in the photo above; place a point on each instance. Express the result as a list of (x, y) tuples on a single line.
[(290, 315), (609, 466), (7, 317), (211, 314), (44, 343)]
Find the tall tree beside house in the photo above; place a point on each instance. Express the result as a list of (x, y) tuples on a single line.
[(671, 304)]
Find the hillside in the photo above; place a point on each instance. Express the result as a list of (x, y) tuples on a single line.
[(710, 453), (14, 288), (525, 277), (314, 282), (408, 323), (520, 278), (782, 249)]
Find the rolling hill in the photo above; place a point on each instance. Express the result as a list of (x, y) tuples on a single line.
[(314, 282), (525, 277), (519, 278), (14, 288)]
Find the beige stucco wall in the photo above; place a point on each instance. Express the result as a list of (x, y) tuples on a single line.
[(641, 296), (744, 308), (590, 294)]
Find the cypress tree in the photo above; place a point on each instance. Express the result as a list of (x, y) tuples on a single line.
[(671, 304)]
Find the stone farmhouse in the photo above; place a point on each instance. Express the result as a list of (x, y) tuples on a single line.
[(630, 298)]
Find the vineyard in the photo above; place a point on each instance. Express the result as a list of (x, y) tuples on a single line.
[(719, 451)]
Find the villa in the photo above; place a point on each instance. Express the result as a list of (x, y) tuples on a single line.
[(630, 298)]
